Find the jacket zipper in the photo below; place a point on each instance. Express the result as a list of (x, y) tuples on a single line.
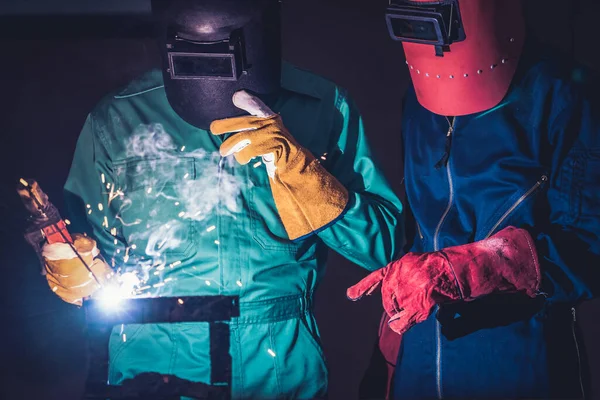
[(438, 329), (574, 312), (218, 213), (517, 203), (419, 231)]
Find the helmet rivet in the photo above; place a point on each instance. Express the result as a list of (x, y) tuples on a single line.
[(427, 74), (493, 66), (512, 39), (504, 60), (406, 62), (418, 72), (451, 76), (466, 75), (438, 77), (480, 71)]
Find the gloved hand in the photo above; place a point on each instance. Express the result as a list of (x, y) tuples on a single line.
[(412, 286), (308, 198), (66, 274), (45, 224)]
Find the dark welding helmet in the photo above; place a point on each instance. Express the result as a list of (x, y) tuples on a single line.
[(462, 54), (213, 48)]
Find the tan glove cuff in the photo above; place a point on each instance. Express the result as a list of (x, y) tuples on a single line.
[(307, 196)]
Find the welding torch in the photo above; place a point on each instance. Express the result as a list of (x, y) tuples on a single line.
[(57, 227)]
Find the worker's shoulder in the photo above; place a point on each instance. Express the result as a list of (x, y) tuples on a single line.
[(562, 81), (307, 83), (147, 84)]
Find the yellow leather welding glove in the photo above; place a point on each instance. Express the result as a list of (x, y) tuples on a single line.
[(67, 276), (307, 197)]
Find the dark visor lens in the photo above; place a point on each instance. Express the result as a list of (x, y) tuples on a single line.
[(405, 27), (195, 66)]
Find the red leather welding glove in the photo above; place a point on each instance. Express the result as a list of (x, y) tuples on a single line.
[(412, 286)]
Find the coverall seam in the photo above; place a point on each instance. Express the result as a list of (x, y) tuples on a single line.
[(275, 363), (173, 349)]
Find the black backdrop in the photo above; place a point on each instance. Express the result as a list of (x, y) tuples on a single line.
[(54, 69)]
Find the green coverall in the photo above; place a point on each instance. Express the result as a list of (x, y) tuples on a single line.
[(275, 344)]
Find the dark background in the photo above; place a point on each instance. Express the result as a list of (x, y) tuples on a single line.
[(58, 58)]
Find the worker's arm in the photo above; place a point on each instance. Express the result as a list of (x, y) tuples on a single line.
[(346, 202), (370, 232)]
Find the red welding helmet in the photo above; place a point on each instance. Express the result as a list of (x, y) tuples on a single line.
[(462, 54)]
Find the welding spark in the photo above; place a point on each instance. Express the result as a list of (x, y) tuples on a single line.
[(180, 301), (181, 214), (239, 283), (105, 223), (176, 263), (124, 338), (67, 222), (100, 206), (161, 244), (176, 203), (149, 190), (217, 242), (186, 176), (102, 177), (108, 186), (160, 267), (88, 206), (211, 228), (158, 285), (207, 283), (182, 148), (55, 288), (271, 353), (112, 195), (257, 164), (168, 280), (133, 247), (113, 231), (90, 211), (24, 182)]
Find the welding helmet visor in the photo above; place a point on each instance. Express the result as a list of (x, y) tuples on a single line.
[(212, 48)]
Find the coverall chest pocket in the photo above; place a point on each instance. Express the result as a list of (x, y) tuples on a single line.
[(267, 228), (154, 208), (582, 190)]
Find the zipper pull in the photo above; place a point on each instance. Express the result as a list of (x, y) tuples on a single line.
[(444, 160)]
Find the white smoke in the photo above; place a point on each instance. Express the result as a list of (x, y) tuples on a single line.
[(172, 188)]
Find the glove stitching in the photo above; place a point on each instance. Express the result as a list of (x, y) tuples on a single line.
[(460, 290), (536, 263)]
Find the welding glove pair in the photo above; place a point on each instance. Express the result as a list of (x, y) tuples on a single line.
[(412, 286), (62, 255), (308, 198)]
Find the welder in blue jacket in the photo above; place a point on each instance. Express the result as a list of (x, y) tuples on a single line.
[(502, 166)]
